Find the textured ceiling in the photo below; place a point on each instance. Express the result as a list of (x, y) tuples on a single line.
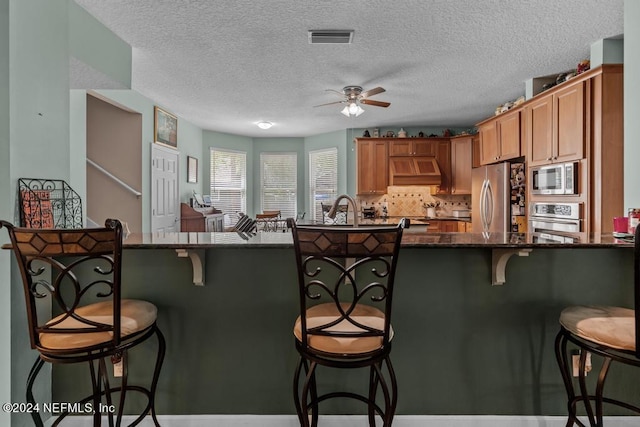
[(226, 64)]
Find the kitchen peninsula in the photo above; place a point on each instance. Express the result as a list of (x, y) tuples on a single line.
[(230, 349)]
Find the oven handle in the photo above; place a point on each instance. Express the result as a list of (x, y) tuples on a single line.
[(555, 221)]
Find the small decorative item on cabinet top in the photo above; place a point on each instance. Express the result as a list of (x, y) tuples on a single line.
[(390, 134), (402, 133), (376, 132), (420, 134), (366, 133)]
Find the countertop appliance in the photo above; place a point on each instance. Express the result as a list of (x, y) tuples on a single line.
[(368, 213), (560, 222), (561, 178), (498, 198)]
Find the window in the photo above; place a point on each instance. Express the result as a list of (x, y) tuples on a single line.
[(323, 179), (279, 183), (229, 183)]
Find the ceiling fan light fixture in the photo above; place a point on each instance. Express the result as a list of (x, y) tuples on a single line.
[(264, 125), (352, 110)]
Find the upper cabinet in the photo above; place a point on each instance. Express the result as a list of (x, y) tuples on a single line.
[(461, 163), (500, 138), (555, 126), (443, 155), (412, 147), (373, 166)]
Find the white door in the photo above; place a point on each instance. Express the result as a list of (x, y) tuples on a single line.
[(165, 216)]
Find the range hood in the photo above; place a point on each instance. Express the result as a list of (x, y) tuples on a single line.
[(414, 171)]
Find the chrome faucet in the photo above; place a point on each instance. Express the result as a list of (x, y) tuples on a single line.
[(332, 212)]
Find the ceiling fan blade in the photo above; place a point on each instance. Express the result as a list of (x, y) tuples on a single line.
[(335, 91), (375, 103), (371, 92), (329, 103)]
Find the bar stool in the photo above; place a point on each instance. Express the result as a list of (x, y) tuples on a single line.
[(345, 283), (91, 322), (612, 333)]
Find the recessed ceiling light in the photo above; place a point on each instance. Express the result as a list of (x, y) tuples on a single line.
[(264, 125)]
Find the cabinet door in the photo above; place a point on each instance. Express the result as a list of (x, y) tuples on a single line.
[(449, 227), (380, 167), (365, 154), (489, 151), (373, 167), (424, 148), (434, 226), (401, 148), (475, 158), (508, 128), (461, 149), (539, 129), (443, 156), (570, 114)]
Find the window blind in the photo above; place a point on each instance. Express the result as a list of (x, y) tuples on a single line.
[(279, 182), (323, 179), (229, 183)]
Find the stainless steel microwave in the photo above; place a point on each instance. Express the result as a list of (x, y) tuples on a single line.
[(561, 178)]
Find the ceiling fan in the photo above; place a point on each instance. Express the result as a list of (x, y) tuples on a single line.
[(353, 96)]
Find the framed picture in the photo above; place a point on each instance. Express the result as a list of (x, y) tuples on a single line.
[(165, 128), (192, 169)]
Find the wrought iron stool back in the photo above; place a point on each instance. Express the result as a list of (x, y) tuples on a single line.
[(345, 284), (611, 333), (79, 272)]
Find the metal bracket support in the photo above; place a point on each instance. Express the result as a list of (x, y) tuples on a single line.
[(499, 258), (198, 264)]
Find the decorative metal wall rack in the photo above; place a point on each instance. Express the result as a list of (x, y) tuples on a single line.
[(48, 203)]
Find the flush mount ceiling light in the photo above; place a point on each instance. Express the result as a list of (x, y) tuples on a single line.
[(264, 125), (352, 109)]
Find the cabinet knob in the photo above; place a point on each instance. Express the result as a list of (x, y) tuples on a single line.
[(555, 157), (549, 158)]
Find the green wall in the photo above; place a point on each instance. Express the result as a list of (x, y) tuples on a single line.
[(631, 103), (6, 211), (98, 47), (461, 346), (38, 118)]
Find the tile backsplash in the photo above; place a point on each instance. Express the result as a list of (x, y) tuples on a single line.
[(410, 200)]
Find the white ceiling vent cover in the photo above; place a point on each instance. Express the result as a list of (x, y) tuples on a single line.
[(330, 36)]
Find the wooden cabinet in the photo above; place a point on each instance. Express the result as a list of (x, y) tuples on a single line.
[(444, 226), (200, 220), (475, 157), (412, 147), (500, 138), (372, 166), (443, 156), (555, 126), (461, 163)]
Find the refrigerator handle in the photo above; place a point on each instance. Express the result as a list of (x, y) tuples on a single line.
[(483, 204), (489, 204)]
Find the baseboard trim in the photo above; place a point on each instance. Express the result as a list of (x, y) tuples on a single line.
[(358, 421)]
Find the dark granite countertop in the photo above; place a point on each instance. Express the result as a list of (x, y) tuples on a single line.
[(415, 238)]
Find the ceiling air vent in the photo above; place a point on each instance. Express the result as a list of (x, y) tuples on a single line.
[(330, 36)]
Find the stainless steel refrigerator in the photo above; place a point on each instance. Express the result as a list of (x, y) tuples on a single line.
[(490, 194), (498, 198)]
